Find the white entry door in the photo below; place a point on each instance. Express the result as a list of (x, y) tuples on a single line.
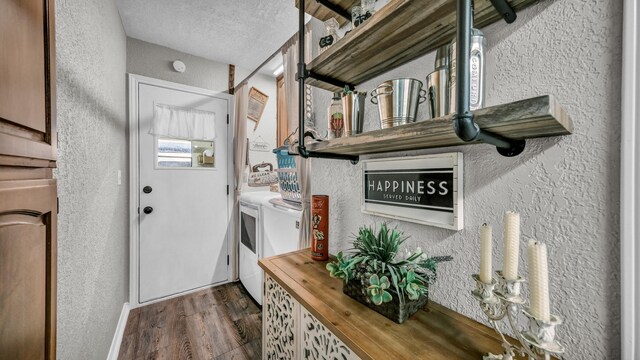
[(184, 212)]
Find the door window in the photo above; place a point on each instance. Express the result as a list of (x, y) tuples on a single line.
[(174, 153)]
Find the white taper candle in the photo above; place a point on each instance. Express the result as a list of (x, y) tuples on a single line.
[(538, 280), (485, 253), (511, 245)]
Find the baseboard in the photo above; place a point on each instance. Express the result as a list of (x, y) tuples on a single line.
[(117, 337)]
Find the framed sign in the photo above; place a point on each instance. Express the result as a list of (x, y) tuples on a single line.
[(257, 103), (260, 144), (421, 189)]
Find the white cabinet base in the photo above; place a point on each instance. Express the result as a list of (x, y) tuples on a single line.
[(289, 331)]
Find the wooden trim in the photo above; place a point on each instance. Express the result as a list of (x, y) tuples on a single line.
[(630, 183), (50, 79), (282, 123), (25, 173), (232, 75), (21, 147)]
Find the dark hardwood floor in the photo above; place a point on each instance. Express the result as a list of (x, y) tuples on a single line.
[(220, 323)]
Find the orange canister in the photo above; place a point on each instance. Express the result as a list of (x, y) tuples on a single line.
[(320, 227)]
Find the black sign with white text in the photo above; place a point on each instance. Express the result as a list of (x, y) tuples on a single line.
[(430, 189)]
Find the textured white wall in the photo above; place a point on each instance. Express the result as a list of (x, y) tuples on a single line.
[(155, 61), (566, 189), (92, 230)]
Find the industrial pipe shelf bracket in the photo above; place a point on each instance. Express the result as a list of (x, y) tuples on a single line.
[(464, 125), (330, 80), (507, 12), (302, 76), (335, 8)]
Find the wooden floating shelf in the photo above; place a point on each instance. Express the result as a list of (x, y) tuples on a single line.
[(399, 32), (531, 118), (321, 12)]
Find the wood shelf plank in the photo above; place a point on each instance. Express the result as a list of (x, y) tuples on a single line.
[(321, 12), (399, 32), (531, 118)]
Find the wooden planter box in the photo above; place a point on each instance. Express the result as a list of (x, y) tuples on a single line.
[(393, 310)]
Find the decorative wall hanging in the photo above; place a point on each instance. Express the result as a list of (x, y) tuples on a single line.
[(257, 103), (259, 144), (421, 189)]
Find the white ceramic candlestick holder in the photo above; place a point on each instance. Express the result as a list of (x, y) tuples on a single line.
[(501, 298)]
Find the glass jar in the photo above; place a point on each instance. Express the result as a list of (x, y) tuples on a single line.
[(368, 8), (356, 16), (335, 117), (330, 34)]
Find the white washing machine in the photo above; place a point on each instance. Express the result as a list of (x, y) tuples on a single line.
[(281, 226), (266, 229)]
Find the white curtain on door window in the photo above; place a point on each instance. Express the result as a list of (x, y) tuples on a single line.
[(239, 162), (180, 123), (290, 56)]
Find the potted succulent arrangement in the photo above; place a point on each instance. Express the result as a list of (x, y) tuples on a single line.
[(374, 273)]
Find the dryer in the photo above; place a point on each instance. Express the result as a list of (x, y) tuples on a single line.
[(250, 247)]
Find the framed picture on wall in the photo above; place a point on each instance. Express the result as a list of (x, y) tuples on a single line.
[(257, 103), (421, 189)]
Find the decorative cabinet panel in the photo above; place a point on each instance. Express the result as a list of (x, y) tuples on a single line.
[(27, 83), (27, 269), (318, 343), (278, 323), (290, 332)]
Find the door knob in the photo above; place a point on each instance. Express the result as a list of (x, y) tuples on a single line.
[(147, 189), (147, 209)]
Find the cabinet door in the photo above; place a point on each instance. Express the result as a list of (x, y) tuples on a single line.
[(27, 269), (318, 343), (278, 322), (27, 83)]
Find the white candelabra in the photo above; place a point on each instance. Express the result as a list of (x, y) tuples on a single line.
[(500, 299)]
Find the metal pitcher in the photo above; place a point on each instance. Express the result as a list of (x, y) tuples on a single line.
[(438, 92), (353, 108)]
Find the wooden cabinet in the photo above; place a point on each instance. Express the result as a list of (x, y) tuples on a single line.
[(321, 322), (27, 83), (290, 331), (28, 200), (27, 269)]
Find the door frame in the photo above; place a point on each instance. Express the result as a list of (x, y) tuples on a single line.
[(134, 81), (630, 182)]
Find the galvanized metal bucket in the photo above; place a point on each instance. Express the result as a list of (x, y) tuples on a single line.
[(398, 101)]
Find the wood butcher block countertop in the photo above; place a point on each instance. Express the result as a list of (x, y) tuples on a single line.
[(433, 333)]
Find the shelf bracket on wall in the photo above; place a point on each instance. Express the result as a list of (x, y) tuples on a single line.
[(302, 76), (335, 8), (463, 124), (507, 12), (330, 80)]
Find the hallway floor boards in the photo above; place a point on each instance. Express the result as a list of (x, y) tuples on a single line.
[(220, 323)]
